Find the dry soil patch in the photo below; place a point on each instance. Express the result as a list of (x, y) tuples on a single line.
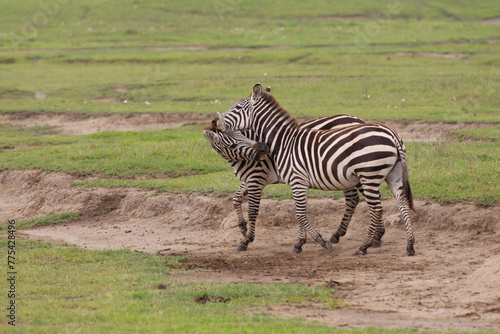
[(452, 282)]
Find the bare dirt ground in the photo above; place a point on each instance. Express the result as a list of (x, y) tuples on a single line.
[(453, 282)]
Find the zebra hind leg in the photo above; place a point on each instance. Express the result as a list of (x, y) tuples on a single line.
[(405, 211), (379, 232), (351, 201), (401, 190), (300, 197), (375, 206)]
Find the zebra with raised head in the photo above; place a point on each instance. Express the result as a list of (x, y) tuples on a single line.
[(255, 175), (362, 155)]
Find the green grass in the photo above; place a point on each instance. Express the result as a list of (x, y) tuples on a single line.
[(322, 65), (172, 152), (49, 220), (127, 23), (454, 171), (441, 171), (200, 57), (491, 133), (319, 83), (116, 291), (182, 161)]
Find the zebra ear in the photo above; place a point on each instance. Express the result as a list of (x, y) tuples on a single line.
[(268, 89), (222, 122), (257, 89), (211, 136)]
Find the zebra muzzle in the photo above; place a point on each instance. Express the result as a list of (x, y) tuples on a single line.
[(262, 150)]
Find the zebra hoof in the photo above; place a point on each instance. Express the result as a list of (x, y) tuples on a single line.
[(410, 252), (376, 243), (328, 246), (334, 241), (360, 252), (241, 248), (296, 250)]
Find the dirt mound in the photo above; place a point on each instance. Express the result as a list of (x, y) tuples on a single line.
[(452, 282)]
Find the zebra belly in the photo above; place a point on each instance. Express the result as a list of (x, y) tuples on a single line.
[(349, 182)]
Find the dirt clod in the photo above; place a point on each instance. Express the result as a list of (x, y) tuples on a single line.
[(202, 299)]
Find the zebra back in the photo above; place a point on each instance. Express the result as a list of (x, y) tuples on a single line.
[(243, 160)]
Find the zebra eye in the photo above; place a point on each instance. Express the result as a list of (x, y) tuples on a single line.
[(233, 146)]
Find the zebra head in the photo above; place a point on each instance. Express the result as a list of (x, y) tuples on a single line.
[(239, 116), (232, 145)]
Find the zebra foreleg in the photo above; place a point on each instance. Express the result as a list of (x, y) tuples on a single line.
[(379, 233), (254, 196), (375, 206), (237, 201), (300, 198), (351, 201), (302, 240)]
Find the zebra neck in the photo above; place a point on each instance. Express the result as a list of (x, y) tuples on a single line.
[(273, 124)]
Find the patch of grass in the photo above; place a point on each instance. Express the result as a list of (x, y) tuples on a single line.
[(454, 171), (114, 23), (434, 89), (215, 184), (204, 184), (13, 136), (491, 133), (49, 220), (172, 152), (443, 171), (66, 289)]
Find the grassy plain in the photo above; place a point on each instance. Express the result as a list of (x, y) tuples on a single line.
[(122, 291), (181, 160), (99, 57)]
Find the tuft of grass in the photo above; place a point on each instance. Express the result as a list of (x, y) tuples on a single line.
[(49, 220)]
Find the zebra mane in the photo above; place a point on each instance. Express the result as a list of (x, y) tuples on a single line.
[(272, 101)]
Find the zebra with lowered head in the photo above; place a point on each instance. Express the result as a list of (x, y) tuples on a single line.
[(359, 156), (256, 174)]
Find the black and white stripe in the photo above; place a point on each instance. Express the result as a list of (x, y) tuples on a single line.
[(256, 175), (359, 156)]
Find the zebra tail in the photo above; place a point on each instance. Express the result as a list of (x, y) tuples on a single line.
[(406, 178), (407, 190)]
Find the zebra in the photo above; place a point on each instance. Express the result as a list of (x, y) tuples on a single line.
[(255, 175), (362, 156)]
